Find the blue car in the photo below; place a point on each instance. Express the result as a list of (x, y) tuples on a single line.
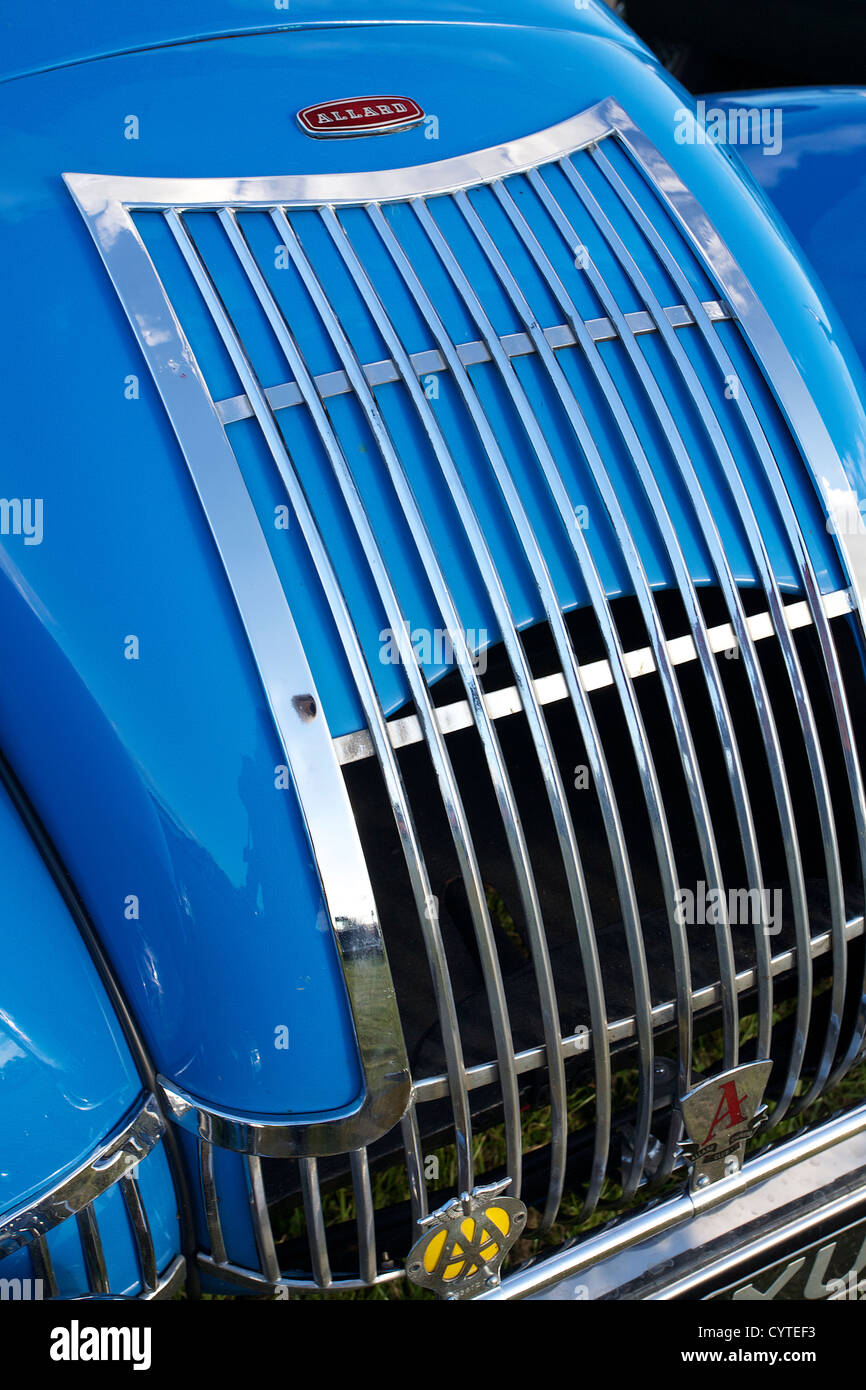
[(432, 718)]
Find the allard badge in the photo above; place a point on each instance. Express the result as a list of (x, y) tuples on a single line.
[(465, 1242), (720, 1117)]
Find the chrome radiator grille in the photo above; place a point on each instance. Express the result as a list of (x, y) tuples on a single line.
[(460, 359)]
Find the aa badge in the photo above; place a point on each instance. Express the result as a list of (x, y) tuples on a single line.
[(720, 1117), (465, 1242)]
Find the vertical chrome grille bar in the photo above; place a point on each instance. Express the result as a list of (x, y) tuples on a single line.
[(365, 1214), (424, 898), (91, 1248), (562, 819), (43, 1268), (794, 532), (440, 757), (268, 1262), (414, 1165), (796, 679), (140, 1224), (315, 1222), (210, 1200), (504, 616)]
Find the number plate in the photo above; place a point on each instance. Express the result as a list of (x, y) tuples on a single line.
[(831, 1268)]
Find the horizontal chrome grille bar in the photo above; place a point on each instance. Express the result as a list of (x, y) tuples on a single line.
[(601, 330), (594, 675), (663, 1015), (249, 1278)]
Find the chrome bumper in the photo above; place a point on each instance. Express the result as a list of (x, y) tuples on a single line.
[(687, 1245)]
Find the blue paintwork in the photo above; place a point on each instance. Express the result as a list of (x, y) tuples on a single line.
[(818, 184), (66, 1076), (155, 777), (65, 35), (64, 1245)]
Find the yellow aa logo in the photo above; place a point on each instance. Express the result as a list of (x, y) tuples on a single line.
[(468, 1240), (459, 1250)]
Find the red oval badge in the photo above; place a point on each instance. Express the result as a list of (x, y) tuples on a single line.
[(359, 116)]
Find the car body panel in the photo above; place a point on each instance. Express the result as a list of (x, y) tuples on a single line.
[(103, 30), (818, 185), (66, 1075)]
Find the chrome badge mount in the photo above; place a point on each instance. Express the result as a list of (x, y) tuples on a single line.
[(721, 1115), (464, 1243)]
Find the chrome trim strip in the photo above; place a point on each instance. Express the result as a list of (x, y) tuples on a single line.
[(210, 1200), (117, 1155), (40, 1259), (337, 383), (170, 1282), (138, 1220), (315, 1219), (250, 1279), (91, 1248), (99, 195), (285, 676), (657, 1219), (366, 1217), (436, 1087), (268, 1261), (593, 675), (411, 1136)]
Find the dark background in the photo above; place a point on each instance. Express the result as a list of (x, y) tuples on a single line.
[(718, 45)]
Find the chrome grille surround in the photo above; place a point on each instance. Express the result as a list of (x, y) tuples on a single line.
[(316, 759)]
